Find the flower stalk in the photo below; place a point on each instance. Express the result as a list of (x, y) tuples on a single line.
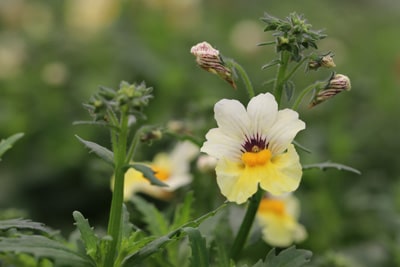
[(247, 222), (114, 222)]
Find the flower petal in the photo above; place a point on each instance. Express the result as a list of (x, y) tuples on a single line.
[(232, 118), (283, 173), (220, 145), (263, 111), (284, 130), (235, 184)]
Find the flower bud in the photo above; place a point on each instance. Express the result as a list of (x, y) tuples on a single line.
[(208, 58), (336, 84), (318, 61)]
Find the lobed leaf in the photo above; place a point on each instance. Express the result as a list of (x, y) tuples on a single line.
[(87, 234), (198, 246), (290, 257), (329, 165), (22, 224), (148, 173), (99, 150), (43, 247)]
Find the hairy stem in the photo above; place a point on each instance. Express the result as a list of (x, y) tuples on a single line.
[(247, 222), (245, 78), (281, 75), (305, 91), (114, 223)]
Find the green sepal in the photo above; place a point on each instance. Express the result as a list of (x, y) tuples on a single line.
[(148, 173), (88, 236), (200, 257), (271, 64), (331, 165), (6, 144), (99, 150)]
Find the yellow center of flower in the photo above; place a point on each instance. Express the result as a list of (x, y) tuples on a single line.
[(160, 173), (256, 157), (275, 206)]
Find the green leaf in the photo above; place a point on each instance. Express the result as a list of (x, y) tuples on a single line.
[(87, 234), (290, 257), (157, 224), (199, 249), (271, 64), (157, 244), (148, 173), (329, 165), (183, 211), (99, 150), (21, 224), (6, 144), (43, 247)]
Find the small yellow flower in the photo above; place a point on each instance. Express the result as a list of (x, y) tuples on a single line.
[(253, 148), (278, 220), (172, 169)]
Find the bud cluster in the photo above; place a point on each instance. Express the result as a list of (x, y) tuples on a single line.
[(129, 98), (293, 34)]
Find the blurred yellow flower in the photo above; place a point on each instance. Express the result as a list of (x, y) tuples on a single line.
[(172, 169), (253, 148), (278, 220)]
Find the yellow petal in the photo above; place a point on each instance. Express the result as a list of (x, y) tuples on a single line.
[(283, 173)]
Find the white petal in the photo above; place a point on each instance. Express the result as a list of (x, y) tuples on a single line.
[(232, 118), (285, 128), (182, 154), (263, 111), (220, 145)]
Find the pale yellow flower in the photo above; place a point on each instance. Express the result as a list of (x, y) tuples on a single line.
[(172, 169), (253, 148), (278, 220)]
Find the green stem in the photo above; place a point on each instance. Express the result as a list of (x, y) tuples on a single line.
[(247, 222), (281, 75), (114, 223), (243, 75), (305, 91), (295, 69)]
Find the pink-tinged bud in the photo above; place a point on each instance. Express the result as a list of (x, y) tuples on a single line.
[(336, 84), (208, 58)]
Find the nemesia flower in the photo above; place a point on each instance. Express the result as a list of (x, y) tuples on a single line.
[(336, 84), (278, 220), (172, 169), (253, 147), (208, 58)]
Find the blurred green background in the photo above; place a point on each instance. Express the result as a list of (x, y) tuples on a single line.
[(54, 55)]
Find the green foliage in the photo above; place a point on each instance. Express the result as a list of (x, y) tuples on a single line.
[(148, 173), (331, 165), (6, 144), (102, 152), (290, 257), (88, 236), (26, 225), (198, 246)]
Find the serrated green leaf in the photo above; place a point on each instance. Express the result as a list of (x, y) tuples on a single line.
[(271, 64), (43, 247), (157, 224), (329, 165), (6, 144), (99, 150), (183, 211), (88, 236), (148, 173), (198, 246), (22, 224), (157, 244), (290, 257)]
